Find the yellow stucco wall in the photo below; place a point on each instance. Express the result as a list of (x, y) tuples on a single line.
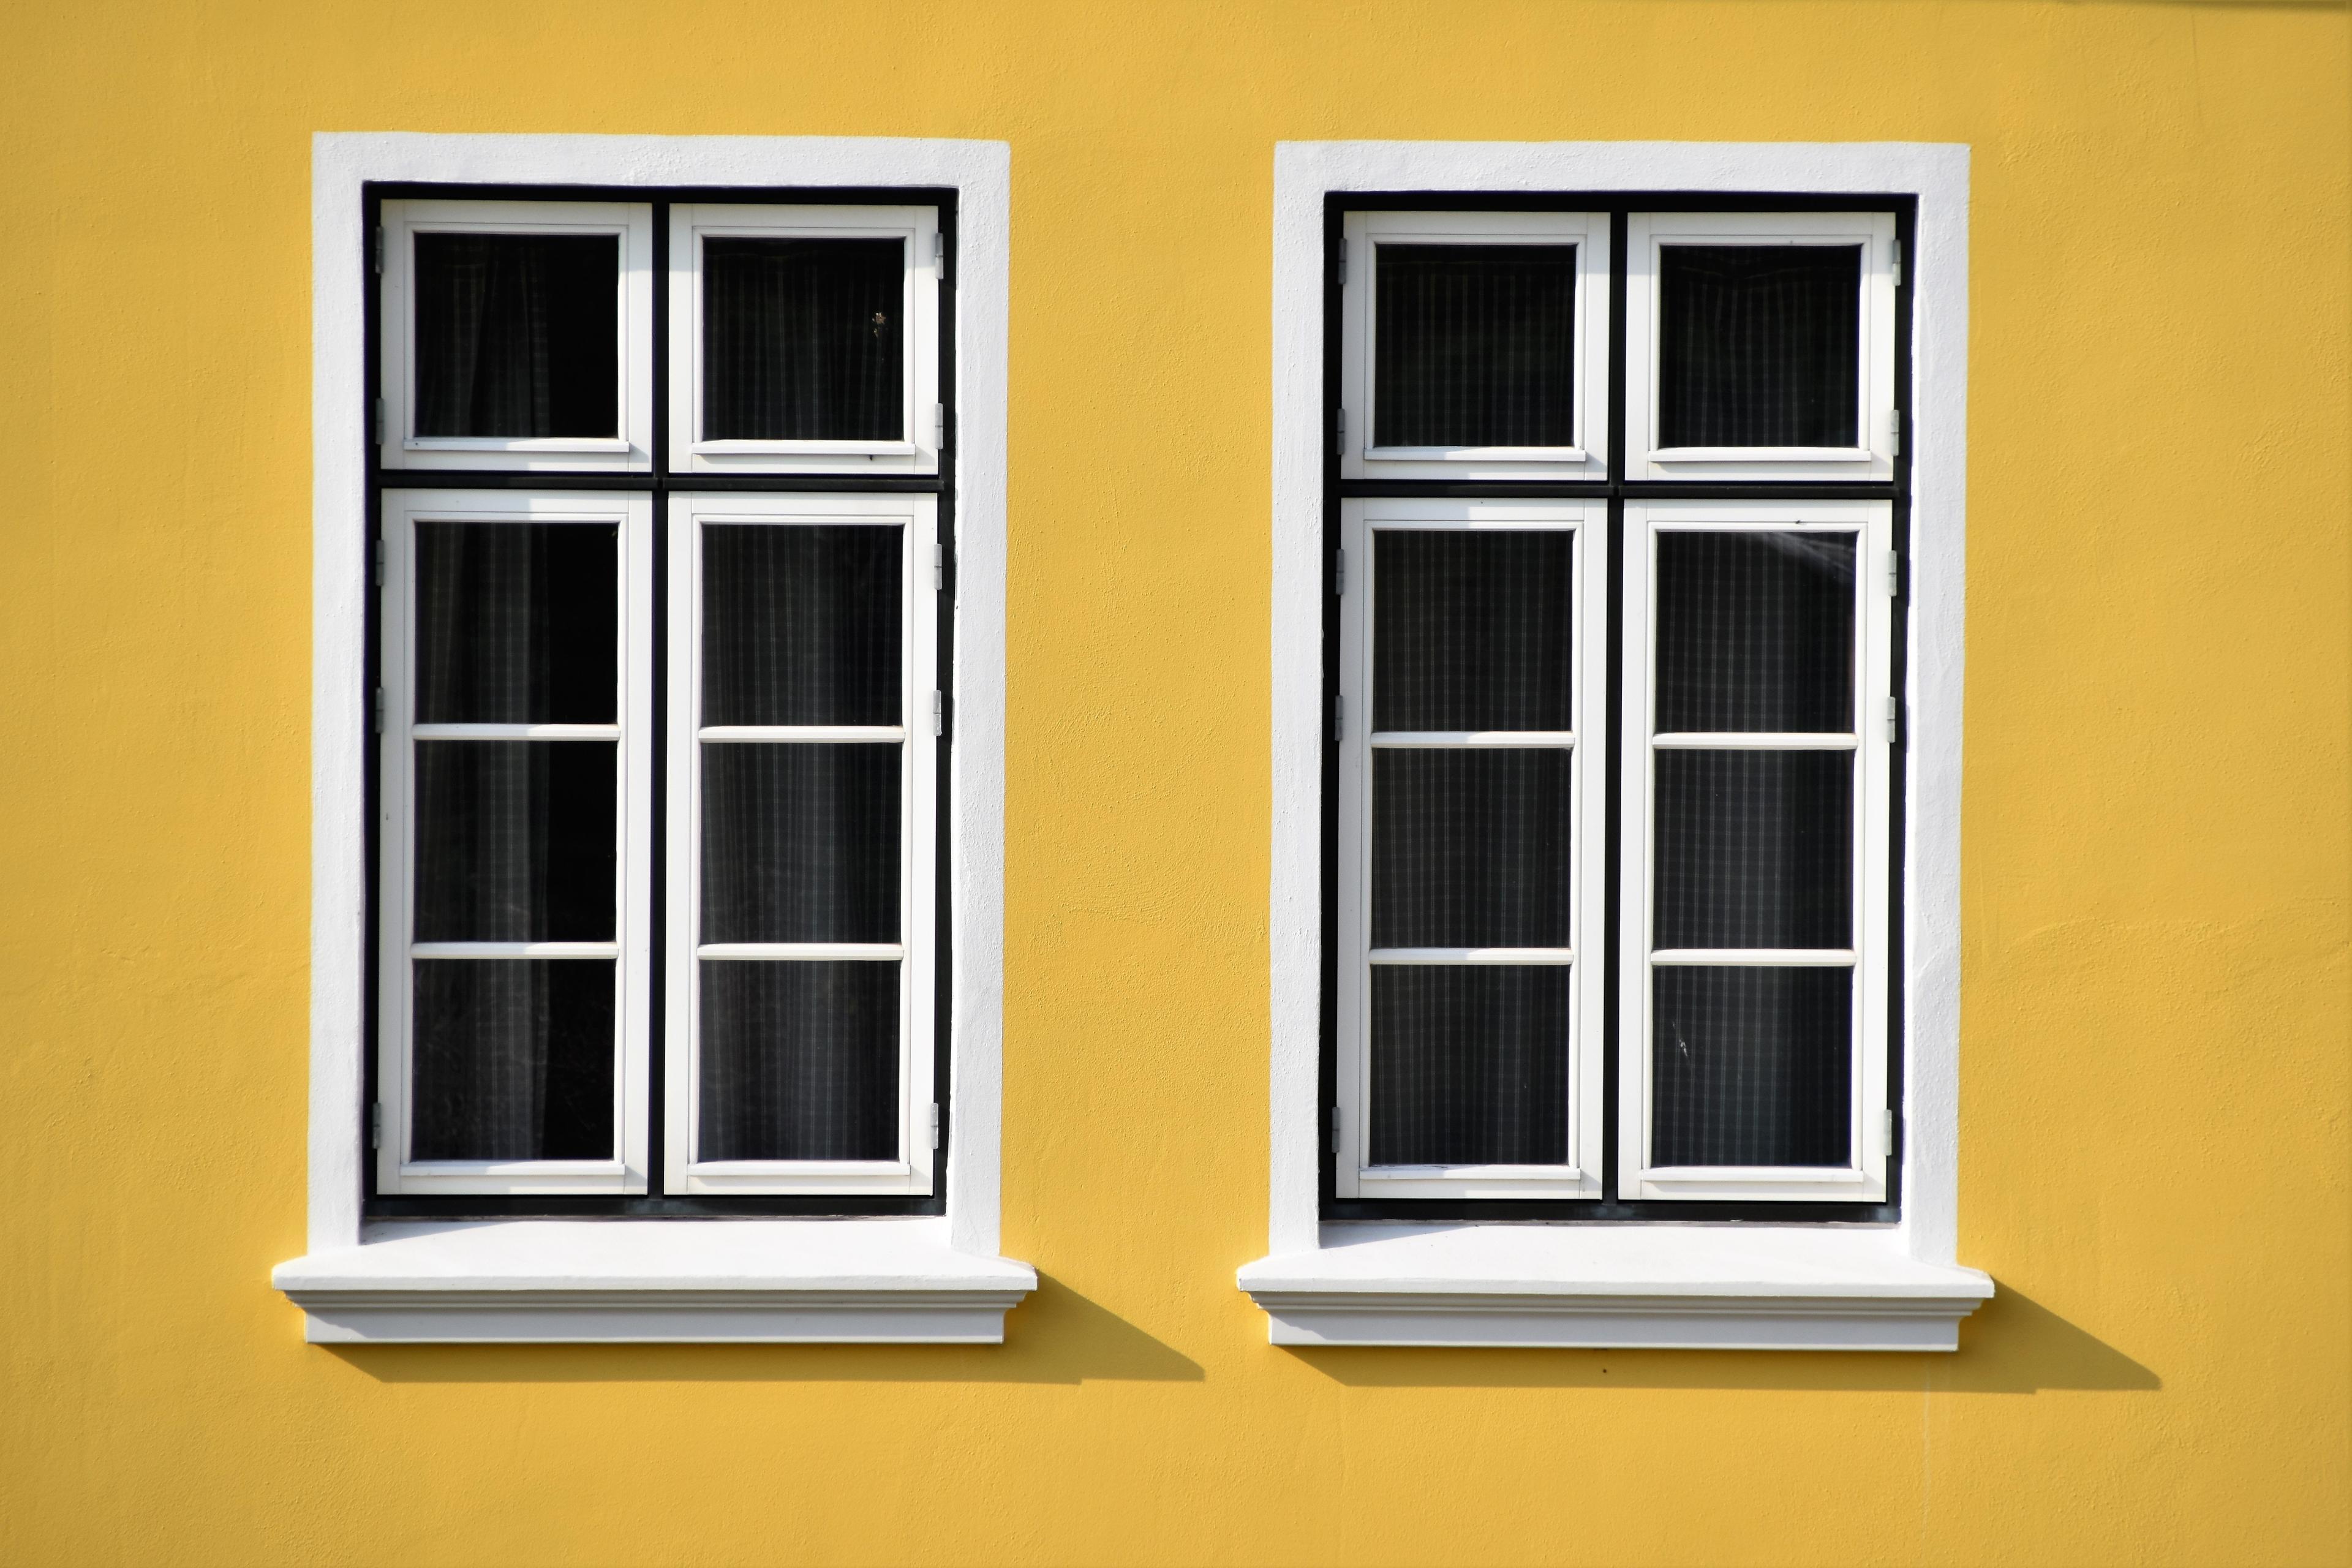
[(2154, 1060)]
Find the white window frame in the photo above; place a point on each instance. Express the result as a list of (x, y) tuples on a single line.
[(917, 517), (1871, 456), (397, 1172), (1366, 233), (920, 409), (928, 1279), (1870, 524), (1768, 1285), (1579, 1176), (629, 450)]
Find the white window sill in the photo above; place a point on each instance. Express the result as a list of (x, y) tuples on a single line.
[(526, 1281), (1663, 1287)]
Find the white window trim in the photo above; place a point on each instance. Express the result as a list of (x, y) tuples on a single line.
[(1873, 456), (631, 516), (917, 517), (1864, 1288), (930, 1278), (1365, 233), (631, 449), (918, 229), (1354, 1174)]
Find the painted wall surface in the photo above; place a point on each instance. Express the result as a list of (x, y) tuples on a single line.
[(2157, 1018)]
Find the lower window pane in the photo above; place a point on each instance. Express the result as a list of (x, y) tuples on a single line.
[(799, 1061), (513, 1061), (1470, 848), (1751, 1067), (1469, 1065)]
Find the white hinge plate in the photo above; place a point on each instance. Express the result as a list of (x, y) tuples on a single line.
[(1339, 571), (1891, 574), (1886, 1130), (938, 567), (376, 1125), (935, 1124), (1894, 432), (1897, 252), (1343, 264), (939, 255), (938, 714), (1338, 1143), (1893, 717), (377, 245), (1338, 717), (375, 575), (379, 421), (939, 424), (1339, 433), (377, 707)]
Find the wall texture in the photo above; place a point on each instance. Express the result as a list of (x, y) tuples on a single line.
[(2157, 1016)]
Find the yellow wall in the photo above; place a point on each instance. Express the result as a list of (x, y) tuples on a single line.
[(2155, 989)]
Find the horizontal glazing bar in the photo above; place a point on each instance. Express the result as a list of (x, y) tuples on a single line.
[(715, 1168), (1753, 741), (1757, 957), (515, 732), (1718, 1176), (785, 734), (514, 949), (1473, 955), (1470, 1173), (791, 952), (1472, 740)]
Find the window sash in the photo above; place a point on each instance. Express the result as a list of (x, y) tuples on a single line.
[(915, 951), (1863, 1179), (624, 1173), (1581, 1175)]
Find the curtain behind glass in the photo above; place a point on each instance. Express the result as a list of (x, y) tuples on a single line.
[(1755, 632), (517, 336), (1469, 1065), (1758, 345), (801, 623), (803, 340), (1751, 1067), (1473, 629), (1474, 345), (799, 1061)]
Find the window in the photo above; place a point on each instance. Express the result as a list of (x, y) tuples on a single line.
[(553, 1030)]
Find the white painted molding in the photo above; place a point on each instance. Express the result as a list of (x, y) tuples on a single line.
[(1616, 1287), (1938, 175), (884, 1280), (981, 172)]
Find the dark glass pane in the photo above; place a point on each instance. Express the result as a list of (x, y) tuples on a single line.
[(1470, 848), (515, 841), (1758, 345), (517, 334), (1754, 849), (800, 842), (1474, 345), (513, 1061), (801, 623), (1756, 632), (799, 1061), (803, 339), (1751, 1067), (518, 623), (1474, 631), (1469, 1065)]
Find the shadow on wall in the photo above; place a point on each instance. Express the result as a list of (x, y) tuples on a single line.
[(2012, 1344), (1054, 1336)]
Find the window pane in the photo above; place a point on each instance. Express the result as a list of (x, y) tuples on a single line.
[(1469, 1065), (1474, 345), (1470, 848), (1758, 345), (803, 339), (513, 1061), (1756, 632), (517, 336), (1754, 849), (801, 623), (1472, 631), (515, 841), (1751, 1067), (518, 623), (799, 1061), (800, 842)]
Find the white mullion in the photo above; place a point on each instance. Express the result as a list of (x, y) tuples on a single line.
[(915, 517), (1354, 1175), (624, 1171), (1870, 525)]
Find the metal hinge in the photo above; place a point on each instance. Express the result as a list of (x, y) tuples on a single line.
[(1338, 1147), (1339, 571), (940, 254), (379, 710), (377, 248), (938, 714), (376, 1125), (1893, 717), (1886, 1130), (379, 421), (1891, 565), (1338, 717), (1343, 264), (1894, 432), (938, 567), (935, 1124), (1898, 263), (376, 573), (1340, 431), (939, 424)]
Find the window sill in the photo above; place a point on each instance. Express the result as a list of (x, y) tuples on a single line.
[(618, 1281), (1613, 1287)]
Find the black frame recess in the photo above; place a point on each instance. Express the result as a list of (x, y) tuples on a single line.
[(660, 484), (1616, 490)]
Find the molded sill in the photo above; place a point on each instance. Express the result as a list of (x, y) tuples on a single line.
[(636, 1281), (1614, 1287)]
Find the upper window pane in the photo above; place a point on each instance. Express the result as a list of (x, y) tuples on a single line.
[(1758, 345), (1474, 345), (1756, 632), (1474, 630), (803, 340), (517, 336), (518, 623), (801, 623)]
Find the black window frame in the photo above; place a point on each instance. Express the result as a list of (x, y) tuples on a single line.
[(1615, 488), (659, 482)]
